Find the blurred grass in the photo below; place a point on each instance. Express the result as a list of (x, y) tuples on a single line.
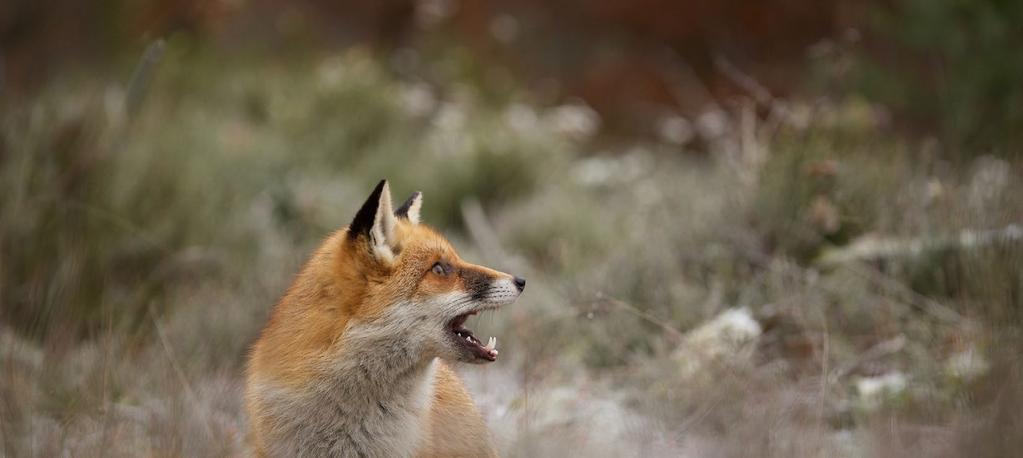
[(142, 250), (106, 214)]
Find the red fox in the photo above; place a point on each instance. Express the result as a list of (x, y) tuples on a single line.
[(354, 358)]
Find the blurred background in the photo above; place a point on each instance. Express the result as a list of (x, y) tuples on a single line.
[(783, 228)]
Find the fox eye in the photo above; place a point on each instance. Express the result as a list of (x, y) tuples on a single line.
[(438, 269)]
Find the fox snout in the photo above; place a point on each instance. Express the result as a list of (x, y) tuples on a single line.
[(482, 289), (485, 287)]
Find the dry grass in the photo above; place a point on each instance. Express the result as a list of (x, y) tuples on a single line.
[(142, 251)]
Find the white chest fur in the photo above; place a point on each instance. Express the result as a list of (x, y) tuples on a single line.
[(361, 412)]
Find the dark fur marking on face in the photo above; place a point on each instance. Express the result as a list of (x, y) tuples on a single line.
[(477, 283)]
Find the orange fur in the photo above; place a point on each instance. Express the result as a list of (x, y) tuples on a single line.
[(456, 428), (342, 291)]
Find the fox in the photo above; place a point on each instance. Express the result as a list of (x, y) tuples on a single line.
[(356, 358)]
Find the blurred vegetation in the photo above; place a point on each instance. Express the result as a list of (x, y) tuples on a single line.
[(107, 210), (951, 67), (147, 225)]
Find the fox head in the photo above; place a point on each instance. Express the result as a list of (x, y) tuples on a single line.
[(406, 281)]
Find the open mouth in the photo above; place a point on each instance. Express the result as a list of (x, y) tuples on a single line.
[(466, 339)]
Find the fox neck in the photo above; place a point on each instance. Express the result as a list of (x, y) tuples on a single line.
[(388, 382), (376, 357), (374, 397)]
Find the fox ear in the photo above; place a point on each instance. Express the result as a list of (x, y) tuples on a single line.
[(376, 221), (410, 209)]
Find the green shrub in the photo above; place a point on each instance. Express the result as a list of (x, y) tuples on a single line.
[(954, 66)]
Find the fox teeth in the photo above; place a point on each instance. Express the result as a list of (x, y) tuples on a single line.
[(491, 344)]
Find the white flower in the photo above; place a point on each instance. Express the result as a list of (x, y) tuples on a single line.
[(712, 124), (418, 99), (967, 365), (874, 390), (521, 117), (577, 120), (675, 129)]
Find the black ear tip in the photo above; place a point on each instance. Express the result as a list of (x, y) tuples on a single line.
[(375, 195), (402, 210), (363, 221)]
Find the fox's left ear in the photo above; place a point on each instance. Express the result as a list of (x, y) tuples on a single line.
[(376, 221), (410, 209)]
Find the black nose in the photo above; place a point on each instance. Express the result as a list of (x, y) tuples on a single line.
[(520, 283)]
